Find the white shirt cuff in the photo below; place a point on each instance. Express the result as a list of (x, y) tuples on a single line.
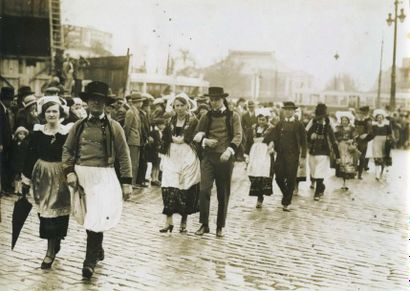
[(231, 150)]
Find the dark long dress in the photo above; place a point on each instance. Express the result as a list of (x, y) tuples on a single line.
[(50, 189), (349, 154)]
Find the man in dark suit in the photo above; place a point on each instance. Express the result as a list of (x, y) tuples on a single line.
[(6, 121), (249, 119), (289, 137)]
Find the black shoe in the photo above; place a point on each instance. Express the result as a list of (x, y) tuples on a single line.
[(219, 232), (46, 266), (183, 229), (166, 229), (88, 271), (203, 229)]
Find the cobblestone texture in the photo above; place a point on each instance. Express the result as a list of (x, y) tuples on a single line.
[(354, 240)]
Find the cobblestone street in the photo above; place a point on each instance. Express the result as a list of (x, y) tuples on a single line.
[(351, 240)]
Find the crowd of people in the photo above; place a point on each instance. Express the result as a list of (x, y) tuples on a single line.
[(105, 146)]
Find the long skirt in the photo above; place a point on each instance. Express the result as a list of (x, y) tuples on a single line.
[(348, 161), (52, 198), (103, 197), (379, 151), (260, 170), (319, 166), (181, 174)]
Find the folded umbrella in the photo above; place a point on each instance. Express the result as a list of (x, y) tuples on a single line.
[(22, 208)]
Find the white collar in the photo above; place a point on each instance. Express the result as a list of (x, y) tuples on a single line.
[(99, 117), (62, 129), (290, 119), (221, 109)]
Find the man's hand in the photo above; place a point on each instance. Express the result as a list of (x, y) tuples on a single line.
[(226, 155), (246, 158), (1, 148), (72, 180), (126, 191), (198, 137), (210, 142)]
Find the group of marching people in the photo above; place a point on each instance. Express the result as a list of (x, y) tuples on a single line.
[(101, 145)]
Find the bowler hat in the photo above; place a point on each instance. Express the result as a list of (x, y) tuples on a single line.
[(52, 91), (7, 93), (24, 91), (29, 100), (97, 89), (289, 105), (216, 92)]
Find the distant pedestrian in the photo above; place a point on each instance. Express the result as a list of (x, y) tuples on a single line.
[(322, 146), (349, 154), (28, 115), (363, 127), (6, 130), (181, 172), (93, 146), (44, 168), (260, 156), (381, 143), (289, 138), (18, 155), (220, 134), (133, 133)]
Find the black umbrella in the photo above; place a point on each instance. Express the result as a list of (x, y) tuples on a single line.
[(20, 212)]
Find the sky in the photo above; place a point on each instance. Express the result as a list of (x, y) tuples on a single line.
[(304, 34)]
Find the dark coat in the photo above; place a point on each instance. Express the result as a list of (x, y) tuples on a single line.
[(5, 129)]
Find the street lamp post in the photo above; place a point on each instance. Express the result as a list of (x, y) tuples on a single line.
[(391, 20)]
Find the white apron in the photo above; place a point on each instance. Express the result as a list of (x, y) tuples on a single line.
[(259, 160), (103, 196), (319, 166)]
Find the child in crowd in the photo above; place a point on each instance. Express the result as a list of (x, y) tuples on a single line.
[(156, 133), (18, 156)]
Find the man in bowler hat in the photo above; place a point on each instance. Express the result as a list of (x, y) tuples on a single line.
[(220, 134), (289, 137), (6, 128)]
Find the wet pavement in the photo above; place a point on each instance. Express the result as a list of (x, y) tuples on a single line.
[(351, 240)]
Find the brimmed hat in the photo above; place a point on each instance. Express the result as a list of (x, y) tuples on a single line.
[(347, 114), (29, 100), (158, 101), (136, 96), (321, 110), (24, 91), (52, 91), (251, 103), (7, 93), (21, 129), (216, 92), (379, 112), (97, 89), (289, 105)]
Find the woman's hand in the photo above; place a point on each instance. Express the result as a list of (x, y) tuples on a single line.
[(72, 180)]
